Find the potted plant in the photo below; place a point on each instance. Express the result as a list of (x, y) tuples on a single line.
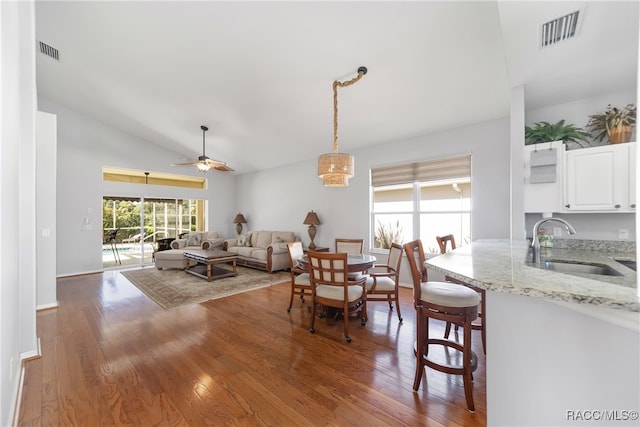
[(548, 132), (614, 123)]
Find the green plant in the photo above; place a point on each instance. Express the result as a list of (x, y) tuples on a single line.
[(600, 124), (547, 132), (387, 234)]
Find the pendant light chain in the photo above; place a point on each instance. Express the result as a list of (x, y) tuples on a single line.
[(361, 72)]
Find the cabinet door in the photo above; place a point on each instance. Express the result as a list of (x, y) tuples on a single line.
[(597, 179)]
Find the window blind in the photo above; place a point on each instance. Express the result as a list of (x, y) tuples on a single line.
[(426, 170)]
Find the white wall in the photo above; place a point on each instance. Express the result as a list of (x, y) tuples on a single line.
[(46, 294), (577, 112), (17, 198), (279, 199), (86, 145)]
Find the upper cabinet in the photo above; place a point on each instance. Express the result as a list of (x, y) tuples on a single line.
[(596, 179), (599, 179)]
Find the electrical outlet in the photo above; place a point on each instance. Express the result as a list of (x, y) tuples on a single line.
[(557, 231), (11, 369), (623, 234)]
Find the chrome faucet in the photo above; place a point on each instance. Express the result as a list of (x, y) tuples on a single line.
[(535, 244)]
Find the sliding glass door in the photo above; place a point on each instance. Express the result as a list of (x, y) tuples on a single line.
[(135, 228)]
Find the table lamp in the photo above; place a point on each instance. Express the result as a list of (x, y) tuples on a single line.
[(238, 221), (312, 220)]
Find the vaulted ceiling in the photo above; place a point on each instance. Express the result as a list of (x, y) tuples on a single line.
[(259, 74)]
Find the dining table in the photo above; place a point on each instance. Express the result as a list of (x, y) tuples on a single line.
[(355, 262)]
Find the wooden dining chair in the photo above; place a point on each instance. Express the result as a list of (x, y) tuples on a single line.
[(479, 324), (351, 247), (330, 287), (382, 282), (300, 284)]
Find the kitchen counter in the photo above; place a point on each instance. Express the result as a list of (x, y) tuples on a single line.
[(575, 346), (501, 266)]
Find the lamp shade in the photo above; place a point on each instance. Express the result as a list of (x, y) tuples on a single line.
[(335, 169), (311, 219), (239, 219)]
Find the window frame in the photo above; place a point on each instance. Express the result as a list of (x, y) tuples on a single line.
[(416, 212)]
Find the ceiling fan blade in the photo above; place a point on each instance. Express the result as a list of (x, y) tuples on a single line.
[(223, 168), (218, 165), (195, 162)]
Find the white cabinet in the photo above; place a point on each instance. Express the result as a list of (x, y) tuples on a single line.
[(600, 179), (547, 196)]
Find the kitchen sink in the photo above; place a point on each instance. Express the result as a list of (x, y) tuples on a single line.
[(572, 267)]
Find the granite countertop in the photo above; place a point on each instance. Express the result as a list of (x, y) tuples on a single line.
[(501, 266)]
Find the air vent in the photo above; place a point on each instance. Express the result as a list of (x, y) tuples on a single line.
[(49, 51), (559, 29)]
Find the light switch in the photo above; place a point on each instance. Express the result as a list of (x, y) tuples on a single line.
[(623, 234), (46, 232)]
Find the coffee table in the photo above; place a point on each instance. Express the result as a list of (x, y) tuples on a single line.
[(206, 260)]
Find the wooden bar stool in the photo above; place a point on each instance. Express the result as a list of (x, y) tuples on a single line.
[(480, 325), (448, 302)]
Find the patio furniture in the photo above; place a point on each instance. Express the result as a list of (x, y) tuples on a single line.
[(110, 238)]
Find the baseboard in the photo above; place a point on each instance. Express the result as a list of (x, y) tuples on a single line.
[(24, 358), (18, 396), (81, 273), (47, 306), (30, 355)]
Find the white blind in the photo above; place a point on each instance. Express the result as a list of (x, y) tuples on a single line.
[(426, 170)]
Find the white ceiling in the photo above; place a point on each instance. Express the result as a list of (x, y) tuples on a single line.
[(260, 74)]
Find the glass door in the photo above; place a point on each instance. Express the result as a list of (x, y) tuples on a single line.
[(134, 229)]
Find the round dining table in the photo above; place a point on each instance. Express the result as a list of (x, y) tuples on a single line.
[(355, 262)]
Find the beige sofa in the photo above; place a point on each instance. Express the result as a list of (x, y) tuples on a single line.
[(266, 250), (174, 258)]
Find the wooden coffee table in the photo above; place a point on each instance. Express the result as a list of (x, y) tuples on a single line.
[(206, 260)]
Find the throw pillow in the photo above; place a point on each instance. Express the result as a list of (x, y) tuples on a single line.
[(193, 239), (247, 242), (280, 240)]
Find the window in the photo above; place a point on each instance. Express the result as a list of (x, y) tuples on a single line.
[(421, 200)]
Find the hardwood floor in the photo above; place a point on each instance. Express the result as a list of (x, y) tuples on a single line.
[(111, 356)]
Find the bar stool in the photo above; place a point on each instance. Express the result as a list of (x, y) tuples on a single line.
[(447, 302), (480, 326)]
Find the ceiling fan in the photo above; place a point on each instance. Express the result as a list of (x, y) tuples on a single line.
[(204, 163)]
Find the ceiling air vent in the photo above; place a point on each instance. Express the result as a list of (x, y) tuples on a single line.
[(559, 29), (49, 51)]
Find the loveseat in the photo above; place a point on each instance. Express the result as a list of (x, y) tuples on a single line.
[(266, 250), (199, 240)]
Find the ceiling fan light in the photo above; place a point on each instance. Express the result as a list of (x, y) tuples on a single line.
[(202, 166)]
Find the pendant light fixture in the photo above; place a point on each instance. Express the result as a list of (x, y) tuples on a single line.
[(336, 168)]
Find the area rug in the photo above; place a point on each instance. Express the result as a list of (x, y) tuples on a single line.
[(171, 288)]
